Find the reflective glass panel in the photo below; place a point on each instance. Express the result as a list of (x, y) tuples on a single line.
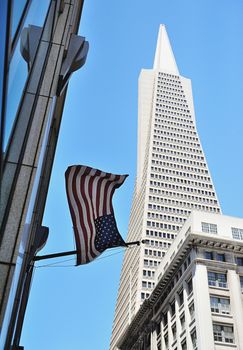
[(18, 8), (3, 28), (18, 72)]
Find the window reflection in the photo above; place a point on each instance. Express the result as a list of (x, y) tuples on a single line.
[(18, 8), (18, 68), (3, 54), (3, 29), (17, 76)]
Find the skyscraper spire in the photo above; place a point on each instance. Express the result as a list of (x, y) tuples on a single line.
[(164, 58)]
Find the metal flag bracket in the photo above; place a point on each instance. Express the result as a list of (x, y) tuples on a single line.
[(73, 252)]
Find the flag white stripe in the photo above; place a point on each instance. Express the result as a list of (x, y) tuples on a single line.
[(102, 189), (94, 196), (108, 199), (89, 200)]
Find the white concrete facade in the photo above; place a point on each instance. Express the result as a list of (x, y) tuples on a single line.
[(172, 179), (198, 300)]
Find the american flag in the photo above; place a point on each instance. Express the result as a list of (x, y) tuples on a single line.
[(89, 193)]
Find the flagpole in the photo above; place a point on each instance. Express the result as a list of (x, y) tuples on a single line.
[(73, 252), (55, 255), (135, 242)]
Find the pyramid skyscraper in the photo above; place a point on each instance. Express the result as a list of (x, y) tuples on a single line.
[(172, 179)]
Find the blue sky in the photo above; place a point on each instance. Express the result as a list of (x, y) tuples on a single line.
[(72, 307)]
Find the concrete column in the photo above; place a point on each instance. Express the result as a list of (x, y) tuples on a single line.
[(169, 327), (153, 340), (187, 314), (162, 334), (236, 305), (203, 316), (177, 307)]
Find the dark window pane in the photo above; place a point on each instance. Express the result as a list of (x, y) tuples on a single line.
[(209, 255), (220, 257), (181, 299), (189, 286), (241, 282), (239, 261), (172, 305)]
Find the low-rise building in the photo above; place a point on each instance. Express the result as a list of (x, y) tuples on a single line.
[(197, 302)]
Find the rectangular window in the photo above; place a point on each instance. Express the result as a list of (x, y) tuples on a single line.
[(173, 328), (182, 321), (165, 319), (208, 255), (181, 299), (217, 279), (172, 306), (223, 333), (239, 261), (166, 339), (147, 341), (189, 286), (209, 228), (220, 305), (220, 257), (241, 283), (183, 345), (237, 233), (192, 310), (158, 329), (194, 339)]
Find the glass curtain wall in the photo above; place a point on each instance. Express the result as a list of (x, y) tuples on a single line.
[(15, 15), (14, 75)]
